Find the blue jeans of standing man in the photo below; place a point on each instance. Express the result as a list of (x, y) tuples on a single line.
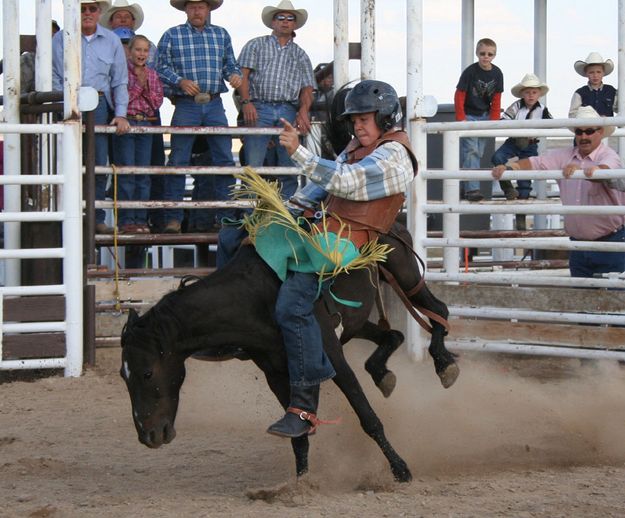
[(585, 263), (102, 115), (510, 149), (133, 149), (269, 115), (307, 362), (189, 113), (471, 151)]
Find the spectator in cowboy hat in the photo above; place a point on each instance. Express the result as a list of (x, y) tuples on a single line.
[(123, 14), (600, 96), (195, 73), (104, 68), (588, 154), (528, 91)]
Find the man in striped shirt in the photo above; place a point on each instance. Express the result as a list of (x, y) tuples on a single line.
[(194, 59)]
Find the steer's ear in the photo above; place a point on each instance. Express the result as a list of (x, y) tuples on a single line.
[(133, 316)]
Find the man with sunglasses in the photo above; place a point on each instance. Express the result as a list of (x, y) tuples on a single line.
[(104, 68), (588, 154), (277, 84)]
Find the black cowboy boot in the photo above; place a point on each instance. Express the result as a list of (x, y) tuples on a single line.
[(294, 423)]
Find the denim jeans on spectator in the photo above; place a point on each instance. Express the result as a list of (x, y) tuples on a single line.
[(156, 180), (188, 113), (102, 115), (133, 149), (269, 115), (471, 151), (307, 362), (585, 263), (508, 150)]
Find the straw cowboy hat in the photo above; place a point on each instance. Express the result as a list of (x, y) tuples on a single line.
[(179, 4), (301, 15), (104, 4), (587, 114), (594, 58), (123, 5), (529, 81)]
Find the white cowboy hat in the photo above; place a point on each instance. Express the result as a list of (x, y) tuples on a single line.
[(179, 4), (594, 58), (586, 113), (104, 4), (529, 81), (123, 5), (285, 6)]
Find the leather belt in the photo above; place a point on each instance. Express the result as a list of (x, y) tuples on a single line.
[(141, 117), (201, 98)]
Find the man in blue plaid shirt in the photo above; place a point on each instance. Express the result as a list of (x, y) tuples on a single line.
[(193, 60)]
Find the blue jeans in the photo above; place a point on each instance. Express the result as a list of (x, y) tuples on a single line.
[(269, 115), (102, 115), (133, 149), (585, 263), (307, 362), (508, 150), (188, 113), (156, 180), (471, 151)]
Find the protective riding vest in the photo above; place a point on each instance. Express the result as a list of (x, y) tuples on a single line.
[(367, 218)]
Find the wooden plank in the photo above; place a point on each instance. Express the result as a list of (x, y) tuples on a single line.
[(595, 337), (151, 289), (33, 345), (45, 308), (575, 300)]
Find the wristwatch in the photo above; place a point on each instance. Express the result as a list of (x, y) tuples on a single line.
[(245, 101)]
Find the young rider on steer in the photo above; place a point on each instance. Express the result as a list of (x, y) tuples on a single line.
[(364, 185)]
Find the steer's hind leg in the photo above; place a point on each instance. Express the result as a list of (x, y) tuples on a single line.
[(404, 267), (387, 341), (346, 380)]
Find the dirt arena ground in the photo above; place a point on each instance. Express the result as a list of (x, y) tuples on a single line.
[(513, 437)]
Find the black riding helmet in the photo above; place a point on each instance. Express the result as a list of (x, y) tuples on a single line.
[(374, 96)]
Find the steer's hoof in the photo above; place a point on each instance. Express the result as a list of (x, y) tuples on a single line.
[(387, 384), (449, 375)]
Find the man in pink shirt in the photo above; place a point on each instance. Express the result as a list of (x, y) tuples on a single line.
[(589, 154)]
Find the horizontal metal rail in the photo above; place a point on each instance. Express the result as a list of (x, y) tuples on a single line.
[(46, 363), (173, 204), (523, 278), (32, 253), (31, 216), (32, 179), (193, 130), (485, 175), (542, 243), (31, 129), (21, 291), (534, 350), (193, 170), (34, 327), (536, 316), (486, 207)]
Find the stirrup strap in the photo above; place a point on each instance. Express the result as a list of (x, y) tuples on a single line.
[(410, 306), (311, 418)]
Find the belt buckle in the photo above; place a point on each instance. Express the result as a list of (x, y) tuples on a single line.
[(202, 98)]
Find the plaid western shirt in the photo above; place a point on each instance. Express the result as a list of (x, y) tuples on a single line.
[(144, 100), (277, 73), (386, 171), (205, 56)]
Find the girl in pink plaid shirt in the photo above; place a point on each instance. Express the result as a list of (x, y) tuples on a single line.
[(145, 92)]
